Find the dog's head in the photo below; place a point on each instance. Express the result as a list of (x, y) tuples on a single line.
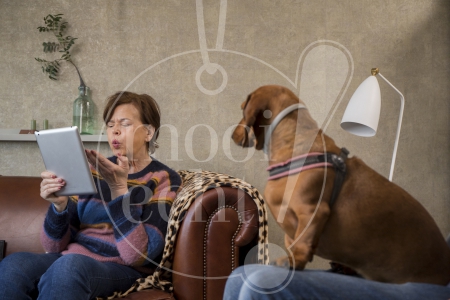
[(260, 108)]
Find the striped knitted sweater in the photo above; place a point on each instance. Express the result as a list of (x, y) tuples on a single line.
[(128, 230)]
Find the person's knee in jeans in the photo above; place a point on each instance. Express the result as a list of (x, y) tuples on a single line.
[(13, 271), (20, 272), (257, 281), (68, 270)]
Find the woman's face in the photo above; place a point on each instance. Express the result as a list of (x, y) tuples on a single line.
[(126, 133)]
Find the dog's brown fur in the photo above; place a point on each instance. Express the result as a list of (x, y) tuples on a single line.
[(375, 227)]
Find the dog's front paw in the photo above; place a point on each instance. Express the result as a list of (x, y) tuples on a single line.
[(283, 262)]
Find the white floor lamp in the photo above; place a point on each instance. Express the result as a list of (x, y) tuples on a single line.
[(363, 111)]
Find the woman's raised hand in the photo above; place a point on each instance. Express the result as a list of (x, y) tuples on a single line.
[(51, 184), (115, 175)]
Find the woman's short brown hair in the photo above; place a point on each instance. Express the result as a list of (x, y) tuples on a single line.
[(148, 110)]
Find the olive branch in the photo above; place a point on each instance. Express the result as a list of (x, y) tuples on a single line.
[(54, 24)]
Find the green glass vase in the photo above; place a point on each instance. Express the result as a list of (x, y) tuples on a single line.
[(83, 111)]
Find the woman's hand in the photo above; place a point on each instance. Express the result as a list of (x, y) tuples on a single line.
[(51, 184), (115, 175)]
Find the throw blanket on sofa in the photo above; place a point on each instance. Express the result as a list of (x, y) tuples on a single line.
[(194, 184)]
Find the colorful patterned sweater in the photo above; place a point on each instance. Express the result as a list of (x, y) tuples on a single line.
[(128, 230)]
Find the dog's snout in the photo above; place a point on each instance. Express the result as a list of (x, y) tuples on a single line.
[(243, 136)]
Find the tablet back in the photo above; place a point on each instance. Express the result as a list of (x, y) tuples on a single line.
[(63, 154)]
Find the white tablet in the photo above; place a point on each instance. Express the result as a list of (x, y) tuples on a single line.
[(63, 153)]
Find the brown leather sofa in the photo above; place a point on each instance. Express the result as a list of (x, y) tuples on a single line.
[(22, 212)]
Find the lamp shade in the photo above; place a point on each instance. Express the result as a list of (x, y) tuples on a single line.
[(363, 110)]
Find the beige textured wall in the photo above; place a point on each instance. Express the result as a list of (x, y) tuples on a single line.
[(153, 47)]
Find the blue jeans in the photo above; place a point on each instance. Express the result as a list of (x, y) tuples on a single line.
[(269, 282), (54, 276)]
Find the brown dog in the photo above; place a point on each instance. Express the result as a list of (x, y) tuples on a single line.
[(374, 226)]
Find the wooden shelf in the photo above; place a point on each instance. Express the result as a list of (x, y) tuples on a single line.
[(12, 135)]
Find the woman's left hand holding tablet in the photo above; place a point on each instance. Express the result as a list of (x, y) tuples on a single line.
[(50, 184), (115, 175)]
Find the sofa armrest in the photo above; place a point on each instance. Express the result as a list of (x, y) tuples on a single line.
[(217, 232), (22, 213)]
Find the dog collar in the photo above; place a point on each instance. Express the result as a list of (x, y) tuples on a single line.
[(277, 120)]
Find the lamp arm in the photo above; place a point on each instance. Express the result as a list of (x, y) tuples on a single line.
[(397, 137)]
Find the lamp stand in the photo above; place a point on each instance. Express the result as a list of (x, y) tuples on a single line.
[(399, 126)]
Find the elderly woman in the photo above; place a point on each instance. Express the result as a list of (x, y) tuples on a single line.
[(99, 244)]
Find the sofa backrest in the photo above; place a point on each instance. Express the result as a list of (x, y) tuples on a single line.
[(22, 213)]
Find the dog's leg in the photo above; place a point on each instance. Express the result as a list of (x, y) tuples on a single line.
[(306, 212), (301, 247), (312, 220)]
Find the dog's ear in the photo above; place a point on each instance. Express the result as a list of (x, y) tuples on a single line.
[(244, 104), (250, 111)]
